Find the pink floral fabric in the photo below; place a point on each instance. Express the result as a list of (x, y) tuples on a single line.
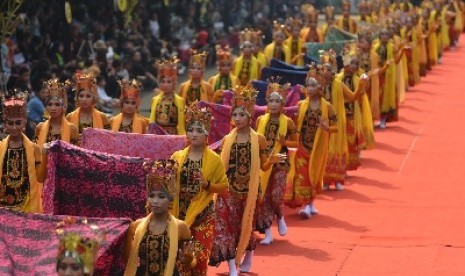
[(150, 146), (29, 243)]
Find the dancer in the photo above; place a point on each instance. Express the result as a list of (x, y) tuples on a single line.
[(154, 241), (280, 133), (196, 88), (243, 155), (201, 175), (224, 80), (86, 115), (295, 43), (129, 120), (167, 107), (278, 49), (246, 66)]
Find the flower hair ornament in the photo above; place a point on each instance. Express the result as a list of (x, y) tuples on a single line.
[(85, 81), (196, 115), (161, 176), (14, 104), (80, 245)]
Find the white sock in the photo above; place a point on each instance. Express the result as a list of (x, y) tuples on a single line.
[(232, 267), (247, 261), (268, 237)]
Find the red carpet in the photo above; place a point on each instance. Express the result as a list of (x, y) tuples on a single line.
[(403, 211)]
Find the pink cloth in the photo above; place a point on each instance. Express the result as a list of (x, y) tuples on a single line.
[(130, 144), (29, 243)]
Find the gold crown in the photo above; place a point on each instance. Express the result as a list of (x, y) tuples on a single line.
[(278, 27), (14, 104), (162, 176), (327, 56), (254, 37), (245, 96), (223, 54), (364, 6), (130, 89), (294, 23), (310, 12), (56, 90), (348, 53), (316, 71), (274, 86), (85, 81), (199, 57), (329, 12), (196, 114), (82, 246), (168, 68), (346, 5)]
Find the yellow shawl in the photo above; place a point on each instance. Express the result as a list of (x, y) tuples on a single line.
[(319, 154), (300, 47), (137, 124), (374, 83), (458, 23), (178, 102), (269, 52), (142, 226), (96, 118), (401, 67), (33, 201), (206, 91), (282, 131), (249, 210), (233, 81), (213, 171), (338, 141), (432, 40), (389, 89), (261, 59), (64, 132), (352, 25), (253, 69)]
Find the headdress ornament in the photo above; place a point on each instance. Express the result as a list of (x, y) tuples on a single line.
[(245, 96), (85, 81), (130, 89), (199, 57), (162, 176), (14, 104), (311, 13), (327, 56), (329, 12), (278, 27), (82, 246), (247, 35), (294, 23), (168, 68), (196, 114), (56, 90), (274, 86), (346, 5), (348, 53), (223, 54), (316, 71)]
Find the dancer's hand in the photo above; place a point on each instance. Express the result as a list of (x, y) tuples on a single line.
[(187, 252)]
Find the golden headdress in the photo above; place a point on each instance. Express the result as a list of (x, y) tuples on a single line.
[(247, 35), (162, 176), (198, 115), (130, 89), (310, 12), (274, 86), (348, 53), (199, 57), (223, 54), (278, 27), (316, 71), (14, 104), (328, 57), (293, 23), (346, 5), (82, 246), (168, 68), (329, 12), (56, 90), (245, 96), (85, 81)]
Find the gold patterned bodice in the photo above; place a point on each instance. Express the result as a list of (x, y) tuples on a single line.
[(244, 76), (309, 127), (239, 167), (15, 186), (153, 254), (271, 134), (167, 116), (349, 106), (190, 187), (193, 94)]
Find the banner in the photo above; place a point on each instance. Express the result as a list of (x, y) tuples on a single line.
[(132, 144), (93, 184), (335, 39), (29, 243)]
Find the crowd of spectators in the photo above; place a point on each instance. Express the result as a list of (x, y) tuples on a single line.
[(99, 38)]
